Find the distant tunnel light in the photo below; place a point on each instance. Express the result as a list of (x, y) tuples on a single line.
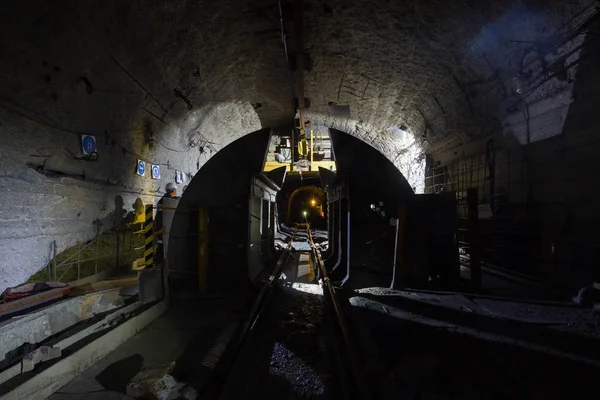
[(313, 202)]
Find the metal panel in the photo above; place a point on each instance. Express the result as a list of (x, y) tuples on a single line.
[(254, 238)]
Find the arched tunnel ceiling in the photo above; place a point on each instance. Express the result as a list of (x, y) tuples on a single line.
[(438, 67), (173, 82)]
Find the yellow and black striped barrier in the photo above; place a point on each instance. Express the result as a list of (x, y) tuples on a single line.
[(149, 237)]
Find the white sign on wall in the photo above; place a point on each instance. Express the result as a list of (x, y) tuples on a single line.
[(178, 177), (141, 168), (88, 144), (155, 172)]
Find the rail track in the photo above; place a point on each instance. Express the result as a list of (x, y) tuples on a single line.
[(310, 339), (294, 343)]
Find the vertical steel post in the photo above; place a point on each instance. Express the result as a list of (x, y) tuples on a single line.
[(299, 50), (399, 242), (49, 268), (54, 259), (118, 262), (293, 144), (149, 237), (78, 261), (96, 259), (311, 148), (394, 266), (202, 247), (474, 239)]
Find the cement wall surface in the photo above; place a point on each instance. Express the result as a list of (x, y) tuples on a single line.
[(47, 195)]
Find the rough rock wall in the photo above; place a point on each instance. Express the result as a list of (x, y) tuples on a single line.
[(132, 71), (399, 146), (145, 81), (48, 195), (551, 178)]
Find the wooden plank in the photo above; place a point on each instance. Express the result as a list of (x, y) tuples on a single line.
[(32, 301)]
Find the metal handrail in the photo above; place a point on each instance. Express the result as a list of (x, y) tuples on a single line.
[(78, 262)]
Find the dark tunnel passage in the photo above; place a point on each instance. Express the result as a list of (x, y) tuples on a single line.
[(317, 199), (306, 204), (301, 199)]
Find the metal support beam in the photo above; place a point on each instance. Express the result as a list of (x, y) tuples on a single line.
[(299, 53), (149, 237), (202, 248), (473, 239)]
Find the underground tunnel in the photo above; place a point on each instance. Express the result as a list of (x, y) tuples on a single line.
[(316, 199)]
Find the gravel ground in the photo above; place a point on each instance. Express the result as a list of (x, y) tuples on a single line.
[(284, 356), (300, 242)]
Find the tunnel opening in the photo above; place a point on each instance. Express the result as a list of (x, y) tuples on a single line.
[(501, 135), (306, 204), (224, 221)]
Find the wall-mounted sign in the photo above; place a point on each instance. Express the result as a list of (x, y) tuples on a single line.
[(178, 177), (155, 172), (88, 144), (141, 168)]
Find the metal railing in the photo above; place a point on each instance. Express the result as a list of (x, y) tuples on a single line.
[(86, 254), (77, 261)]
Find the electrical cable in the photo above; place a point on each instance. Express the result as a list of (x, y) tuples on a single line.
[(157, 140), (50, 123), (139, 84)]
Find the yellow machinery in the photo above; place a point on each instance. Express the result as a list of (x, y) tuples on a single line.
[(305, 150)]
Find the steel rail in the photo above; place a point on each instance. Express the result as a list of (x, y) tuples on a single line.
[(219, 375), (355, 365)]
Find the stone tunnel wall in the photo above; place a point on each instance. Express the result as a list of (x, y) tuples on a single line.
[(47, 195), (546, 191)]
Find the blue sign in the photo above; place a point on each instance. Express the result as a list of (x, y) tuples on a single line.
[(155, 172), (141, 168), (88, 144)]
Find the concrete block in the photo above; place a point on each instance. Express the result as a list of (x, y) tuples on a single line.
[(48, 381), (39, 326), (152, 383), (150, 284), (41, 354)]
